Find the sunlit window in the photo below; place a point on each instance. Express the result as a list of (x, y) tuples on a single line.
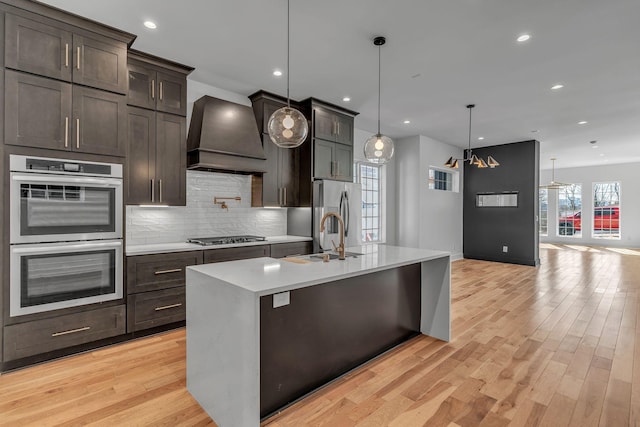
[(570, 210), (369, 176), (606, 210), (543, 214)]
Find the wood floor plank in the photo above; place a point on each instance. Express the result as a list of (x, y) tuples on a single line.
[(557, 345)]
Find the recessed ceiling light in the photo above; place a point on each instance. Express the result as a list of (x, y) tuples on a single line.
[(480, 138), (556, 87), (406, 122), (523, 38), (346, 99), (150, 24), (277, 73), (583, 122), (594, 146)]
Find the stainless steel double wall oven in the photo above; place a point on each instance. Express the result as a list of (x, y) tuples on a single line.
[(66, 234)]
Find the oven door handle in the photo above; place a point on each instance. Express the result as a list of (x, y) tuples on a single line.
[(97, 182), (64, 248)]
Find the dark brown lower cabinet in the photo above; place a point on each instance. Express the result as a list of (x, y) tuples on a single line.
[(150, 309), (281, 250), (232, 254), (40, 336), (155, 288)]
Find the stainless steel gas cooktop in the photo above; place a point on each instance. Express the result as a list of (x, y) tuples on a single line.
[(225, 240)]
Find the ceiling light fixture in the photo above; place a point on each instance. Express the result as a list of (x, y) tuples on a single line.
[(583, 122), (378, 148), (406, 122), (469, 156), (523, 38), (554, 185), (288, 127), (480, 138), (277, 73), (150, 24), (556, 87), (346, 99)]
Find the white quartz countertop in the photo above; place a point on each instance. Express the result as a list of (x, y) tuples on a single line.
[(265, 276), (159, 248)]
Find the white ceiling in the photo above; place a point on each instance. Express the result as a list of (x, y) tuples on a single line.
[(440, 55)]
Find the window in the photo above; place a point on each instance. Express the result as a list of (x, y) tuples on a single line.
[(443, 179), (570, 210), (370, 178), (543, 204), (606, 210)]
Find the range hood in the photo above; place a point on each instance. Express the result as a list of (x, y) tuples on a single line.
[(224, 137)]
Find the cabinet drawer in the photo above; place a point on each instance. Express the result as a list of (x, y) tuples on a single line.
[(285, 249), (159, 271), (40, 336), (148, 309), (232, 254)]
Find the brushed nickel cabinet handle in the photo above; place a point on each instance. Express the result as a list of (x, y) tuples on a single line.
[(338, 123), (66, 132), (160, 184), (78, 63), (66, 55), (153, 88), (175, 270), (153, 190), (166, 307), (77, 133), (161, 91), (71, 331)]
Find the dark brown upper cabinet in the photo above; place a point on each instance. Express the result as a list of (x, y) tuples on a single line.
[(280, 184), (157, 84), (46, 113), (157, 162), (331, 125), (156, 141), (53, 50), (331, 142)]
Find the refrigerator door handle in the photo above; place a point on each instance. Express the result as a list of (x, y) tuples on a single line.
[(344, 200)]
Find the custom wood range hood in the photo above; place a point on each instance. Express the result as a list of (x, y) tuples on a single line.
[(224, 137)]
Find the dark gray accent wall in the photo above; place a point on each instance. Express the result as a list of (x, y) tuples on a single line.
[(486, 230)]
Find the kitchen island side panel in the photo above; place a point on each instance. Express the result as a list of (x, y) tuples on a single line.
[(223, 350), (329, 329), (435, 320)]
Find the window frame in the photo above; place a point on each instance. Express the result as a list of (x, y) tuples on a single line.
[(576, 214), (381, 201), (454, 182), (595, 208)]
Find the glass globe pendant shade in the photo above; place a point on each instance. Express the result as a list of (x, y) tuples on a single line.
[(378, 149), (288, 127)]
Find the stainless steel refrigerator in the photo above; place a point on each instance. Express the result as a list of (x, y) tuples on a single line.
[(344, 198)]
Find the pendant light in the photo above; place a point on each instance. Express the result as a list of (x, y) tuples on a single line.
[(288, 127), (469, 156), (554, 185), (378, 148)]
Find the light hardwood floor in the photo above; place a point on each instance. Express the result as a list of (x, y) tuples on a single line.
[(557, 345)]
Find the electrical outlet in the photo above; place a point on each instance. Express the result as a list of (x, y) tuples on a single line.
[(505, 249), (281, 299)]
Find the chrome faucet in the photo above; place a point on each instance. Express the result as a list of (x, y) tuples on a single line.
[(340, 248)]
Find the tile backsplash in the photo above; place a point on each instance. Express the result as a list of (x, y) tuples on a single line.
[(201, 218)]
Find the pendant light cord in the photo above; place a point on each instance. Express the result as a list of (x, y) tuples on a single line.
[(379, 78), (288, 50), (469, 151)]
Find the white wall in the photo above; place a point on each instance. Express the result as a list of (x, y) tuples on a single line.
[(627, 174), (426, 218)]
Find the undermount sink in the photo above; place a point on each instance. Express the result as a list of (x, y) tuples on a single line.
[(333, 255)]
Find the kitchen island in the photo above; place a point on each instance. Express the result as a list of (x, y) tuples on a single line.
[(263, 332)]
